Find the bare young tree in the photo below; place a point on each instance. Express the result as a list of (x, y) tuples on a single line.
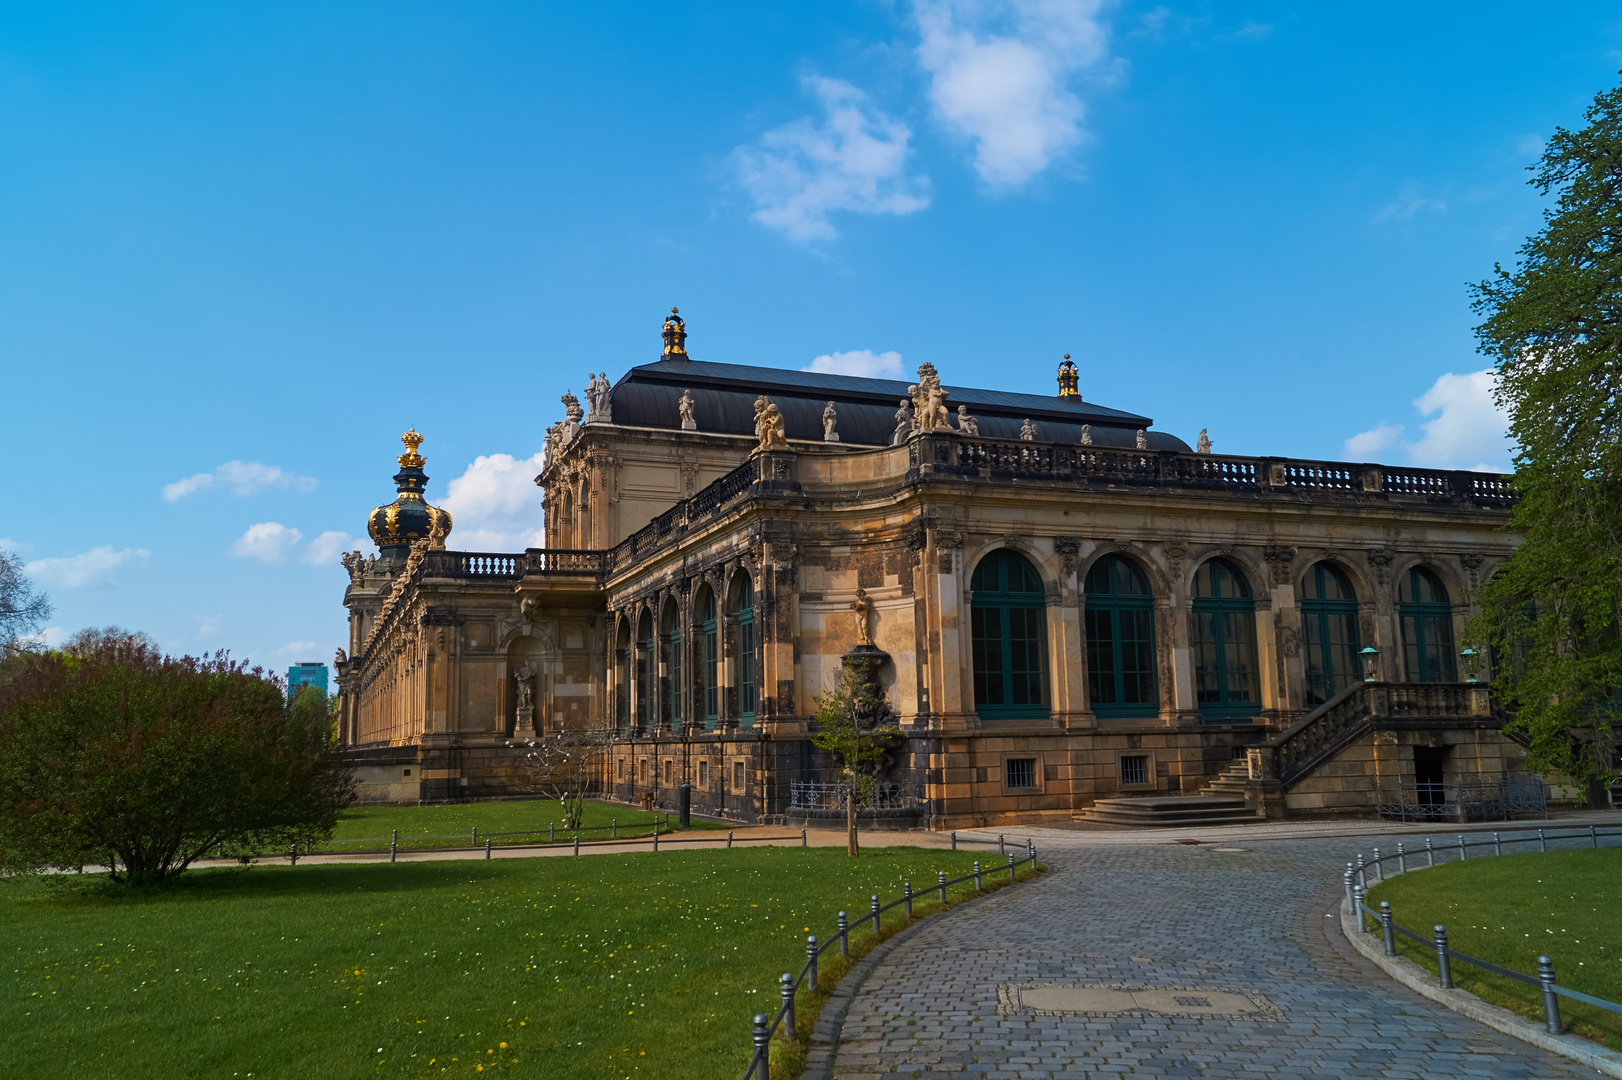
[(23, 608), (566, 765)]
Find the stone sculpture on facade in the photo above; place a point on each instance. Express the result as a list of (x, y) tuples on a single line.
[(1027, 431), (573, 413), (770, 431), (830, 423), (1086, 434), (523, 679), (685, 408), (340, 658), (1143, 439), (862, 606), (355, 563), (597, 387), (1203, 446), (903, 423), (438, 532), (929, 400), (967, 424)]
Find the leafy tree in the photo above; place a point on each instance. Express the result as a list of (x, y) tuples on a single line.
[(566, 765), (117, 756), (23, 609), (1554, 327), (93, 638), (859, 728)]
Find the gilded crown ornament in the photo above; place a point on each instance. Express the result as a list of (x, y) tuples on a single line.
[(675, 335), (395, 526), (411, 458), (1068, 379)]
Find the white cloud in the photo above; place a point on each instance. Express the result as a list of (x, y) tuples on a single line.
[(209, 625), (495, 505), (96, 568), (999, 73), (863, 362), (1530, 145), (1467, 430), (16, 547), (296, 648), (1408, 204), (52, 636), (325, 549), (242, 477), (268, 541), (854, 159)]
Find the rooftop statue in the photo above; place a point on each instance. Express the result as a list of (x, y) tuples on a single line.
[(685, 408), (830, 423), (1143, 439), (904, 425), (1086, 434), (967, 424), (769, 427), (597, 387), (929, 400), (1204, 444), (1027, 431)]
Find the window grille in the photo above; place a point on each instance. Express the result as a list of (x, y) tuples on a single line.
[(1135, 769), (1020, 772)]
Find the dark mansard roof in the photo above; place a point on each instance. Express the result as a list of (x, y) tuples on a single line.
[(724, 401)]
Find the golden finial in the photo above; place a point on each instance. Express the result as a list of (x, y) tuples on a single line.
[(411, 459), (1068, 379)]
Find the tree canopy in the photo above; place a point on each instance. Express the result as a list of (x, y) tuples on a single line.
[(118, 756), (23, 608), (1553, 325)]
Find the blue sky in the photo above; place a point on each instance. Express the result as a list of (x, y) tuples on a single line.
[(243, 247)]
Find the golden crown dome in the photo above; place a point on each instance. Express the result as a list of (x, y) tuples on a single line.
[(393, 526)]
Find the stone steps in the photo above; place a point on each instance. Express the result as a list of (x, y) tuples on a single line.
[(1164, 811), (1230, 781)]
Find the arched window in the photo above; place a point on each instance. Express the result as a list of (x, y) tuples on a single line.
[(704, 624), (1426, 614), (1329, 627), (1224, 642), (670, 659), (743, 606), (1120, 639), (622, 675), (1008, 624), (647, 716)]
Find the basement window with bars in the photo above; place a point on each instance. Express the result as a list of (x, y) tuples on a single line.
[(1135, 769), (1019, 772), (737, 776), (703, 774)]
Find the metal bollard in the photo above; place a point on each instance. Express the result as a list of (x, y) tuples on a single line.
[(1387, 928), (875, 914), (1030, 848), (1430, 853), (394, 844), (1402, 860), (475, 837), (977, 885), (1543, 843), (763, 1048), (1551, 1003), (1444, 962), (1348, 881), (811, 962), (940, 879), (1010, 866), (1000, 848), (954, 841), (577, 843), (1593, 835), (1461, 847), (906, 898), (487, 847), (729, 839), (552, 833), (1362, 879), (844, 935), (614, 828), (785, 986), (1379, 875), (1497, 848), (1357, 909), (292, 855), (802, 838), (656, 836)]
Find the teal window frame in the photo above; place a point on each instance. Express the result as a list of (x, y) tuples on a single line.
[(622, 677), (1008, 631), (1227, 685), (1330, 632), (1122, 679), (748, 659), (643, 649), (672, 643), (709, 659), (1427, 628)]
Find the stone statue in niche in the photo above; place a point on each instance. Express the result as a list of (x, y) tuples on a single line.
[(1027, 431), (967, 424), (523, 681), (770, 430), (862, 607), (830, 423), (685, 408), (1086, 434), (339, 659), (1143, 439), (1203, 445), (903, 423), (929, 400)]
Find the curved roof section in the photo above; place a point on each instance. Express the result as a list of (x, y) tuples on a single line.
[(724, 402)]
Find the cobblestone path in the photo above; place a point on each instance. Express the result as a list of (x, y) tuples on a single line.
[(1249, 922)]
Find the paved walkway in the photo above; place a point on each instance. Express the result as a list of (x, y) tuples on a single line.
[(964, 997)]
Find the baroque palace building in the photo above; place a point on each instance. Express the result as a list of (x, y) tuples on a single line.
[(1066, 604)]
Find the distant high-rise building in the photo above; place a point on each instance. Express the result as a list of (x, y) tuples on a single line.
[(308, 673)]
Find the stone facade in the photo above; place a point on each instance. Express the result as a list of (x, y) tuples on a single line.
[(698, 598)]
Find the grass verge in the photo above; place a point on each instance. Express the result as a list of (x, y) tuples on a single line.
[(1510, 910), (452, 825), (643, 964)]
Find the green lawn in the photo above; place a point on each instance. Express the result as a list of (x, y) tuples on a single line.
[(1514, 908), (642, 964), (452, 825)]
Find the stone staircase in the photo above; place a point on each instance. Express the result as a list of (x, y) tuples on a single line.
[(1230, 782), (1167, 810)]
